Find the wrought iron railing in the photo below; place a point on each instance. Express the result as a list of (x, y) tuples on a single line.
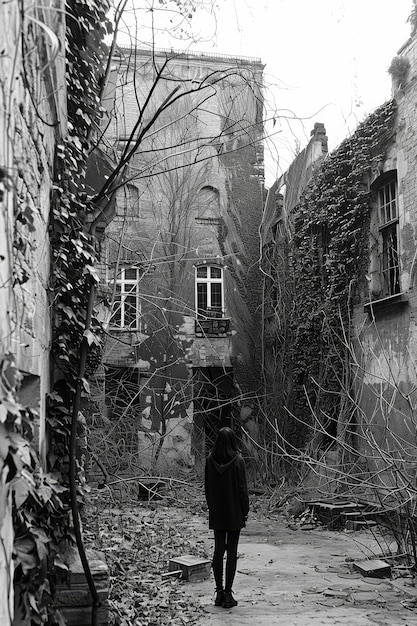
[(212, 327)]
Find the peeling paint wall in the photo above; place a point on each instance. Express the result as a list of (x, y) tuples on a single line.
[(204, 206), (32, 120), (386, 330)]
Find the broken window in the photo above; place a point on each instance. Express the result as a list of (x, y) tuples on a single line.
[(209, 291), (388, 229), (126, 303)]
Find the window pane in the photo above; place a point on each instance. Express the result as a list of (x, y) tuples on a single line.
[(215, 272), (390, 265), (115, 319), (201, 272), (388, 202), (131, 288), (201, 296), (130, 311), (131, 273), (216, 295), (393, 201), (382, 206)]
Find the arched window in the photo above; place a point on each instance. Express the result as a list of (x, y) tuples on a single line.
[(209, 291), (128, 201), (208, 203)]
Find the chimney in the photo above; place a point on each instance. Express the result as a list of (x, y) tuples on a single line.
[(319, 134)]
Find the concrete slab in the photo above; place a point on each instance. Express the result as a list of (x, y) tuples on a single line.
[(298, 578)]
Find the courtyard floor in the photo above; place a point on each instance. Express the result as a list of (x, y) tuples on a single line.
[(288, 574)]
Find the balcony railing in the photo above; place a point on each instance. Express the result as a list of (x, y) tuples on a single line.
[(219, 327), (210, 313), (211, 322)]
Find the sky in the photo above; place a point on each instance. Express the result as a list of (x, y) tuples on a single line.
[(325, 60)]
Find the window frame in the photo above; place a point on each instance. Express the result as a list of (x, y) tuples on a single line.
[(126, 291), (211, 282), (388, 218)]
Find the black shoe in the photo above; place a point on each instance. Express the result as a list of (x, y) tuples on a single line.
[(229, 601), (219, 599)]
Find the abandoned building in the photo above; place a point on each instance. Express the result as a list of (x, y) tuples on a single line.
[(179, 257), (338, 257), (318, 344)]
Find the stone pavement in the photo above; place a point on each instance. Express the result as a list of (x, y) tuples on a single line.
[(297, 578)]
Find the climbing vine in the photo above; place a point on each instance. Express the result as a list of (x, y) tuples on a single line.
[(74, 249), (328, 262), (40, 497)]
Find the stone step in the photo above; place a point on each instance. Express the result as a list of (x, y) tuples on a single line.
[(73, 598), (332, 513)]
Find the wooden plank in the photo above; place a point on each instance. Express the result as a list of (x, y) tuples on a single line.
[(193, 568), (373, 567), (357, 524)]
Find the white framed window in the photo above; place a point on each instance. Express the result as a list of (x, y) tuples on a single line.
[(388, 232), (126, 311), (209, 291)]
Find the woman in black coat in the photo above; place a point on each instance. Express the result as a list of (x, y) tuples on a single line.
[(228, 503)]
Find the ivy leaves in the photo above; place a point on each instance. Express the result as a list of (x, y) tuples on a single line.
[(39, 525), (330, 258), (36, 497), (40, 500), (338, 203)]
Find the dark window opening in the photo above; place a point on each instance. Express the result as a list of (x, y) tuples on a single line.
[(388, 220), (213, 397), (216, 296), (209, 291), (201, 297), (390, 265)]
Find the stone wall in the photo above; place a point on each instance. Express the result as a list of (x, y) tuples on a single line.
[(73, 598), (386, 329), (32, 120)]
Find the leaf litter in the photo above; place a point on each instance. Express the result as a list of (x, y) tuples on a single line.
[(138, 539)]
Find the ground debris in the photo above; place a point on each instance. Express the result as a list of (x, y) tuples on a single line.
[(303, 521), (138, 541)]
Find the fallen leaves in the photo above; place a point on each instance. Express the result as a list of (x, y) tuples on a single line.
[(138, 542)]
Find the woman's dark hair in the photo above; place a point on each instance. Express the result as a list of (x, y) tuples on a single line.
[(225, 447)]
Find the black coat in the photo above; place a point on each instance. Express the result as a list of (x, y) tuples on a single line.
[(226, 493)]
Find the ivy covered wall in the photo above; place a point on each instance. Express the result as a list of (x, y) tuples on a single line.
[(385, 348), (33, 118), (322, 260), (50, 68)]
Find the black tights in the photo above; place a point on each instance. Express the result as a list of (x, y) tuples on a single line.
[(225, 541)]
